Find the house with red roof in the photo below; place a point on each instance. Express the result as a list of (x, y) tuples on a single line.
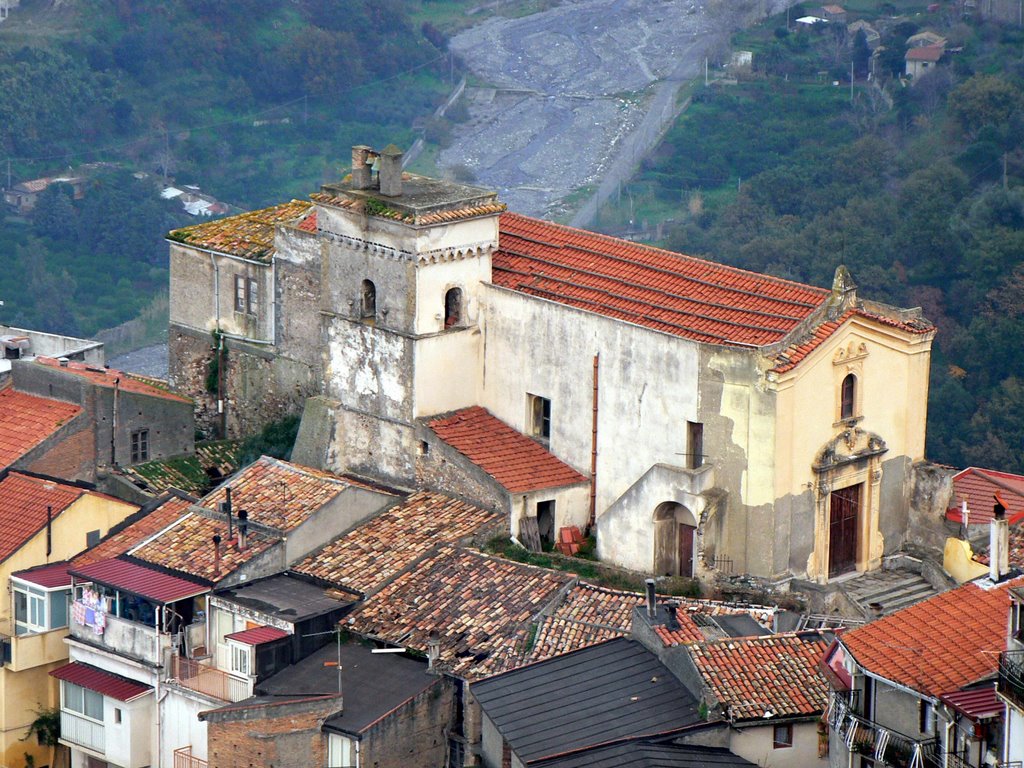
[(917, 687), (43, 522), (696, 416)]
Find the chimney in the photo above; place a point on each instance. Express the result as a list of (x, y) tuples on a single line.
[(243, 527), (361, 170), (433, 649), (652, 599), (63, 361), (227, 508), (216, 554), (390, 175), (998, 543)]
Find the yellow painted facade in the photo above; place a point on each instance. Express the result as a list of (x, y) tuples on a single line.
[(818, 451), (25, 683)]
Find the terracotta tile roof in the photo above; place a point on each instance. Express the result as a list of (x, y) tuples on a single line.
[(96, 679), (122, 539), (691, 629), (139, 579), (416, 219), (249, 235), (669, 292), (789, 357), (929, 53), (482, 607), (976, 486), (106, 377), (257, 635), (510, 457), (374, 552), (191, 474), (277, 493), (26, 421), (308, 224), (46, 576), (756, 678), (187, 546), (939, 645), (588, 614), (23, 503)]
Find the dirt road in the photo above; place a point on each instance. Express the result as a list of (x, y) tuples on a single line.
[(581, 93)]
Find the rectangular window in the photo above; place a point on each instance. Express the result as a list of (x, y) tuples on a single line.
[(782, 736), (252, 296), (540, 417), (29, 610), (239, 658), (239, 293), (340, 751), (140, 446), (82, 701), (694, 445)]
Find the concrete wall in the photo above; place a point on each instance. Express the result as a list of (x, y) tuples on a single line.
[(755, 743), (346, 510), (181, 726)]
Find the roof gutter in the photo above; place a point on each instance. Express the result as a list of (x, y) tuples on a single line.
[(899, 686)]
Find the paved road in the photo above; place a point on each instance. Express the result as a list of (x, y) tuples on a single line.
[(148, 361), (582, 92)]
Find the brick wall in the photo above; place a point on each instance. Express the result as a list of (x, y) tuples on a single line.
[(71, 456), (281, 736), (415, 735)]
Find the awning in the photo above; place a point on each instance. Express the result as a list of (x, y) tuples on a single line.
[(95, 679), (138, 579), (257, 635), (976, 703), (50, 576)]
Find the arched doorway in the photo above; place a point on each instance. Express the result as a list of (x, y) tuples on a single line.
[(674, 532)]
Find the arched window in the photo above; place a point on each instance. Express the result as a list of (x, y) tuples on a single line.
[(452, 307), (368, 300), (848, 397)]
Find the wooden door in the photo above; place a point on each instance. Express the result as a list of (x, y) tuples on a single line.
[(686, 549), (844, 509)]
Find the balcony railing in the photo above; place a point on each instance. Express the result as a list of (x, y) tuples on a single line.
[(1010, 683), (876, 742), (208, 681), (81, 732), (183, 759)]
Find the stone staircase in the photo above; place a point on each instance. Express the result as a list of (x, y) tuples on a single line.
[(889, 589)]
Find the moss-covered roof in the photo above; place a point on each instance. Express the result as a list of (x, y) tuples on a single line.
[(192, 474), (249, 235)]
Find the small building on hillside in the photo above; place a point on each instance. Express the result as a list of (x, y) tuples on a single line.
[(22, 196), (923, 59)]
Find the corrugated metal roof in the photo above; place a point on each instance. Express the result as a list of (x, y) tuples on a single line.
[(615, 690), (257, 635), (976, 703), (137, 579), (48, 576), (95, 679)]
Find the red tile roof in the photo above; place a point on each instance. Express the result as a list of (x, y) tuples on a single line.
[(308, 224), (690, 630), (107, 377), (368, 556), (976, 486), (249, 235), (757, 678), (95, 679), (257, 635), (138, 579), (47, 576), (26, 421), (977, 703), (669, 292), (939, 645), (587, 615), (930, 53), (277, 493), (513, 459), (23, 503), (122, 539), (481, 606), (789, 357)]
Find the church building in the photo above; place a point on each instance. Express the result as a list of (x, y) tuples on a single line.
[(697, 417)]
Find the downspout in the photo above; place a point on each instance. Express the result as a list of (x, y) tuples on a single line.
[(113, 424), (593, 450), (159, 674), (949, 727), (273, 300), (216, 291), (49, 532)]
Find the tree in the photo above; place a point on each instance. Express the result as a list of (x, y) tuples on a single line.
[(861, 54), (981, 101)]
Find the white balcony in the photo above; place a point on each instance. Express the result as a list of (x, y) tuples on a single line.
[(76, 731)]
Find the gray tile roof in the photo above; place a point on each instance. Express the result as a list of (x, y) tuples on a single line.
[(611, 691), (631, 754)]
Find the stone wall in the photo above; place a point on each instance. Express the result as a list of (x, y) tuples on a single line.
[(415, 735), (283, 736)]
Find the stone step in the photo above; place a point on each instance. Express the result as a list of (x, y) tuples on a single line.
[(892, 590)]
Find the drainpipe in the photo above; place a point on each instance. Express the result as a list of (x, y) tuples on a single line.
[(216, 289), (49, 532), (593, 450), (113, 423), (221, 410)]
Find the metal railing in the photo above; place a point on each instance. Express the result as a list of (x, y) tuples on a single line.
[(876, 742), (209, 681), (183, 759), (1010, 683)]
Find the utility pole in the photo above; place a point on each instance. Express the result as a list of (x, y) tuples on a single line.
[(705, 71), (851, 82), (9, 172)]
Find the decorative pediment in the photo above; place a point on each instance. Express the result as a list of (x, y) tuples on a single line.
[(854, 350), (850, 445)]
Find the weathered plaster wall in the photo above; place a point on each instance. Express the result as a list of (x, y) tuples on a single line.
[(415, 734), (755, 743)]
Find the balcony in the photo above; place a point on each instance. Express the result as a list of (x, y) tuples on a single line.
[(183, 759), (208, 680), (78, 731), (125, 638), (1010, 684), (876, 742)]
